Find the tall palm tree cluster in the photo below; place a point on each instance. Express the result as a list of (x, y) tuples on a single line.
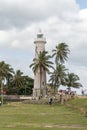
[(60, 74), (12, 82)]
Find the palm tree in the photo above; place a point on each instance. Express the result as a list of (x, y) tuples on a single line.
[(17, 81), (72, 81), (41, 63), (60, 53), (9, 79), (58, 76), (5, 70), (27, 85)]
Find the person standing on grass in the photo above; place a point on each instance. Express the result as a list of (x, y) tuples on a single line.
[(50, 100), (82, 91)]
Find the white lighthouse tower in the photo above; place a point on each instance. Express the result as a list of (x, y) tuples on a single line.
[(39, 84)]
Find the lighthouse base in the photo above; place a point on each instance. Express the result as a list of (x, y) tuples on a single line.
[(37, 93)]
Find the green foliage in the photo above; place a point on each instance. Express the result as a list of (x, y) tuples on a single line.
[(21, 85), (72, 80), (41, 62), (12, 82), (58, 76), (61, 53)]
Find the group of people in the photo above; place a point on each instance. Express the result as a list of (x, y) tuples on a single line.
[(63, 92), (68, 91)]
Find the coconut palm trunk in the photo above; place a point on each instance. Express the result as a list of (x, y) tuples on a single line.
[(1, 84), (41, 93), (2, 93)]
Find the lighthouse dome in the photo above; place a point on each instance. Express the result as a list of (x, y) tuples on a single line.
[(40, 38)]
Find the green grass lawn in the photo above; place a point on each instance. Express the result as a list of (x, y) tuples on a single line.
[(18, 116), (79, 102)]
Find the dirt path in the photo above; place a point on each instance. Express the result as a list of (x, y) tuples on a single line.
[(82, 96)]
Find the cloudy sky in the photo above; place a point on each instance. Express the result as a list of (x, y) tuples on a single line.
[(59, 20)]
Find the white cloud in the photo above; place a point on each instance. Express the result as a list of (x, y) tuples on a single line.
[(83, 14), (21, 13)]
